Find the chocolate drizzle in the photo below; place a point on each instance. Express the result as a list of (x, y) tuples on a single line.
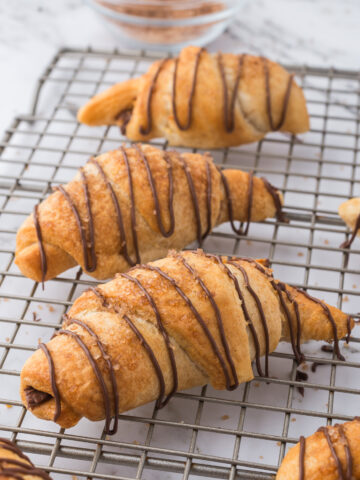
[(337, 461), (274, 127), (331, 320), (165, 233), (100, 377), (54, 388), (240, 231), (276, 198), (260, 310), (244, 309), (41, 244), (16, 468), (229, 110), (88, 248), (302, 458), (160, 403), (199, 318), (349, 460), (187, 124), (146, 130), (348, 243), (348, 329)]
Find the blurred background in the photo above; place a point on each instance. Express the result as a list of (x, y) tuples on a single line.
[(315, 32)]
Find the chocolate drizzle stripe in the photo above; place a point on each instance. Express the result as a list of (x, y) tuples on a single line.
[(348, 329), (325, 431), (302, 458), (85, 248), (146, 130), (276, 198), (348, 456), (229, 110), (260, 310), (12, 447), (194, 199), (268, 97), (238, 231), (348, 243), (165, 233), (280, 287), (43, 258), (107, 359), (132, 200), (96, 370), (54, 388), (22, 468), (196, 315), (160, 403), (119, 218), (106, 304), (244, 309), (331, 320), (187, 125), (218, 320), (208, 199)]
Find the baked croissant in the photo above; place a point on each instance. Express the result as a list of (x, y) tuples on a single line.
[(185, 320), (349, 211), (203, 100), (330, 453), (132, 205), (15, 465)]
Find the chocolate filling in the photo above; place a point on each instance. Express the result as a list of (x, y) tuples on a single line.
[(124, 118), (34, 397)]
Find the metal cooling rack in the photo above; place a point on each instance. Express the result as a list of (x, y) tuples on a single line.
[(202, 432)]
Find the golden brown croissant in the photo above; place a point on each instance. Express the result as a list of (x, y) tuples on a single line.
[(329, 454), (132, 205), (203, 100), (185, 320), (15, 465), (349, 211)]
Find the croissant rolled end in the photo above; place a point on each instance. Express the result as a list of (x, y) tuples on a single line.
[(37, 396)]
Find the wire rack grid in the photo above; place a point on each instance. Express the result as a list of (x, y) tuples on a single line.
[(202, 432)]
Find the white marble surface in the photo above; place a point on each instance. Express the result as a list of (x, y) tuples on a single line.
[(322, 32)]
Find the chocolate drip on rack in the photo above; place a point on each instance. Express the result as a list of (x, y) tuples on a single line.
[(240, 231), (107, 305), (302, 458), (160, 403), (41, 244), (110, 367), (244, 309), (229, 110), (88, 249), (198, 317), (165, 233), (218, 320), (274, 127), (348, 243), (146, 130), (260, 310), (21, 468), (54, 388), (187, 125)]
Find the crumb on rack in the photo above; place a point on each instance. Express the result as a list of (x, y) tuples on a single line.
[(256, 384), (354, 285), (7, 339), (135, 442), (293, 419), (51, 308), (346, 298), (300, 254), (278, 444), (8, 406), (40, 307), (225, 417), (326, 241)]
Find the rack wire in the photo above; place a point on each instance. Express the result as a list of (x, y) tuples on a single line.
[(202, 432)]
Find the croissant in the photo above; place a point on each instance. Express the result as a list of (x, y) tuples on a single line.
[(203, 100), (349, 211), (15, 465), (132, 205), (185, 320), (330, 453)]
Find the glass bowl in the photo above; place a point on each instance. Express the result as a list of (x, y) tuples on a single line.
[(167, 24)]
